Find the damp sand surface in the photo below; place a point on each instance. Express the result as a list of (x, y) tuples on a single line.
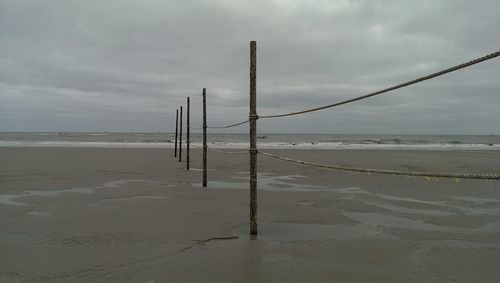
[(136, 215)]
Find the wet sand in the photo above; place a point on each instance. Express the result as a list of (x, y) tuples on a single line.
[(136, 215)]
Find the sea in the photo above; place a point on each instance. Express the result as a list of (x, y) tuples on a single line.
[(265, 141)]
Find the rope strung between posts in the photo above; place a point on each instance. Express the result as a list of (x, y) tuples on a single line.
[(228, 126), (228, 152), (405, 84), (480, 176), (221, 127)]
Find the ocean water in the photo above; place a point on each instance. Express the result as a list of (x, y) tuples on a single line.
[(268, 141)]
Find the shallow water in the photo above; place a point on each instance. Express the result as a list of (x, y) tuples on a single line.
[(267, 182), (390, 221), (303, 232), (8, 199), (121, 183), (11, 198), (402, 209), (200, 169), (475, 200), (38, 213), (58, 192), (135, 197)]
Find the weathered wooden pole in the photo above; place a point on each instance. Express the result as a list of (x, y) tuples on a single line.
[(204, 138), (253, 137), (188, 128), (176, 129), (180, 137)]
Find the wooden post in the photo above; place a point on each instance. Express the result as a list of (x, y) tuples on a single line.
[(176, 128), (188, 127), (204, 138), (253, 137), (180, 138)]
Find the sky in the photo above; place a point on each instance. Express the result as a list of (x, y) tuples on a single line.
[(126, 66)]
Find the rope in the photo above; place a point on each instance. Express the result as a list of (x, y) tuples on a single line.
[(480, 176), (405, 84), (228, 152), (228, 126), (195, 146)]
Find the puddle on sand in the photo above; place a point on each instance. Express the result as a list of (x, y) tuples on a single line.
[(199, 169), (396, 198), (38, 213), (222, 185), (359, 191), (470, 206), (58, 192), (401, 209), (267, 182), (8, 199), (304, 232), (479, 211), (453, 244), (121, 183), (135, 197), (479, 201), (389, 221), (492, 227)]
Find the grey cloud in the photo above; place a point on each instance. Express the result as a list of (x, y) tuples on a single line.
[(127, 65)]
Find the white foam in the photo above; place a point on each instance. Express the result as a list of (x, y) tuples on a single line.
[(341, 145)]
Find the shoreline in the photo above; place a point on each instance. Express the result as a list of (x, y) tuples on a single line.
[(276, 145)]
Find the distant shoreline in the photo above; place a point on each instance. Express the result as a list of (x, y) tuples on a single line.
[(277, 145), (265, 141)]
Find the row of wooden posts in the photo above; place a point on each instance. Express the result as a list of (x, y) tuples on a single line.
[(253, 137), (178, 136)]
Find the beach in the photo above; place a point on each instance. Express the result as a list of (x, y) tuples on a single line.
[(137, 215)]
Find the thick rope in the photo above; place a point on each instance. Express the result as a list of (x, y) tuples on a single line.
[(229, 126), (221, 127), (405, 84), (228, 152), (481, 176)]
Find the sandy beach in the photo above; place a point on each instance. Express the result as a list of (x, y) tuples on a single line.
[(136, 215)]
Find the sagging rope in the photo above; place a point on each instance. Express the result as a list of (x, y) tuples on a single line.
[(405, 84), (480, 176), (228, 126), (228, 152), (222, 127)]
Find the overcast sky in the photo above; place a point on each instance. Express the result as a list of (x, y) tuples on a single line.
[(127, 65)]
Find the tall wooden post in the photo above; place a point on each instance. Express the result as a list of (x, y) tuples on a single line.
[(204, 138), (176, 129), (253, 137), (180, 137), (188, 127)]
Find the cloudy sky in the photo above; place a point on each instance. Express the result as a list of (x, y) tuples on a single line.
[(121, 65)]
